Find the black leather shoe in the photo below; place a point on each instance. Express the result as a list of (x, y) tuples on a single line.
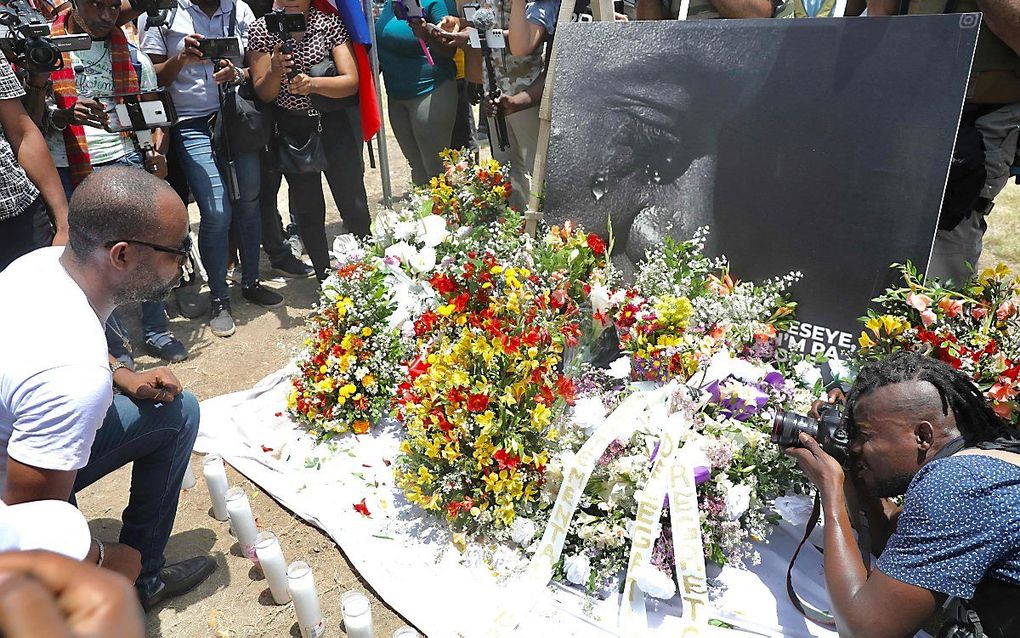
[(178, 579)]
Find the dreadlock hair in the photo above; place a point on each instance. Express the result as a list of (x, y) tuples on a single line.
[(980, 426)]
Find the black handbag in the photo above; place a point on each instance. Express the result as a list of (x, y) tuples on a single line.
[(245, 123), (243, 119), (294, 155), (321, 103)]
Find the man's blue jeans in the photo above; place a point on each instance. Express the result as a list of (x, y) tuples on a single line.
[(157, 438), (192, 141), (154, 320)]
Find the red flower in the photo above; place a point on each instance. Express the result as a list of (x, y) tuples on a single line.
[(362, 509), (442, 284), (417, 368), (477, 402), (596, 244), (504, 460), (565, 388)]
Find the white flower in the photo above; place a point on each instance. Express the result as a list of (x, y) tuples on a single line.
[(738, 499), (839, 369), (589, 413), (578, 568), (523, 531), (808, 373), (402, 251), (432, 231), (620, 369), (655, 583), (599, 298), (360, 373), (424, 260), (403, 231)]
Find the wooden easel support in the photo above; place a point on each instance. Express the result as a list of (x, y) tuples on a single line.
[(602, 10)]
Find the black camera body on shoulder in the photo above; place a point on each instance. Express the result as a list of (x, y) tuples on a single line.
[(829, 430), (25, 38)]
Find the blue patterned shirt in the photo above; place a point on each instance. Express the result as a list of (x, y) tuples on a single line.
[(960, 523)]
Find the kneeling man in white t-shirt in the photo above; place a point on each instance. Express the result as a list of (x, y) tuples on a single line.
[(61, 426)]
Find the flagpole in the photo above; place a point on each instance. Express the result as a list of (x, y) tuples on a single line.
[(384, 159)]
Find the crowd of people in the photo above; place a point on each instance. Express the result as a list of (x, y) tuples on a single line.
[(73, 408)]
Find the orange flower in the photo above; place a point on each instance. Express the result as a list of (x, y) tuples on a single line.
[(360, 426)]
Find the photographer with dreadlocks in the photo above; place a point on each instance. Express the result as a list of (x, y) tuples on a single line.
[(921, 429)]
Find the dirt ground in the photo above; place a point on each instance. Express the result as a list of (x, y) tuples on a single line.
[(235, 601)]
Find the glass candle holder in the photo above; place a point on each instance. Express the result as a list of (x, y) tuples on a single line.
[(306, 600), (216, 481), (274, 567), (357, 613), (242, 521)]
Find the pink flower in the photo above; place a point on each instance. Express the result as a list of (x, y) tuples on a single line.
[(927, 318), (979, 312), (1006, 310), (919, 302), (952, 307)]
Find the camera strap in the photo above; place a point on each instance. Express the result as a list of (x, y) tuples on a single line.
[(815, 615)]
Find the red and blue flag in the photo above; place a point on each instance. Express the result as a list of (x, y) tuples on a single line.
[(353, 16)]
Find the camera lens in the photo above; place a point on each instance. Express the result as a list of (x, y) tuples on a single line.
[(42, 55), (787, 427)]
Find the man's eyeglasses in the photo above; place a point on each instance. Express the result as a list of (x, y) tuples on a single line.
[(181, 252)]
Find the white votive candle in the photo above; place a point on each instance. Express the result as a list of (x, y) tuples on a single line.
[(216, 481), (270, 555), (406, 632), (357, 615), (189, 477), (306, 600), (242, 521)]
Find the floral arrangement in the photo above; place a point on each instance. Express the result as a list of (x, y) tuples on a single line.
[(482, 396), (351, 366), (685, 319), (685, 307), (468, 193), (975, 328)]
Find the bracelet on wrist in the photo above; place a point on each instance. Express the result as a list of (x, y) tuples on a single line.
[(102, 552)]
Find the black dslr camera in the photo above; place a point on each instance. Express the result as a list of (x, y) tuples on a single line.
[(157, 12), (25, 34), (829, 430)]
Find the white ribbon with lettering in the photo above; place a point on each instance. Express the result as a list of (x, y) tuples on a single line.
[(670, 474)]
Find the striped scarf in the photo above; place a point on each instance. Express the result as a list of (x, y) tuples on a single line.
[(65, 92)]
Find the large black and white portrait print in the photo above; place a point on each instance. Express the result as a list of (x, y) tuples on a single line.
[(814, 145)]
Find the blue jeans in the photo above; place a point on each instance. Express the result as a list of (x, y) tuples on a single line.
[(192, 141), (154, 320), (157, 438)]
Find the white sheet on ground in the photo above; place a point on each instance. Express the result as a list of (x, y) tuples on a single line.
[(409, 560)]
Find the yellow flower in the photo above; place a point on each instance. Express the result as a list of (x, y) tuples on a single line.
[(368, 381), (326, 385), (424, 476), (323, 369), (485, 419), (366, 332), (865, 341), (540, 416), (292, 399), (447, 310), (496, 270)]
